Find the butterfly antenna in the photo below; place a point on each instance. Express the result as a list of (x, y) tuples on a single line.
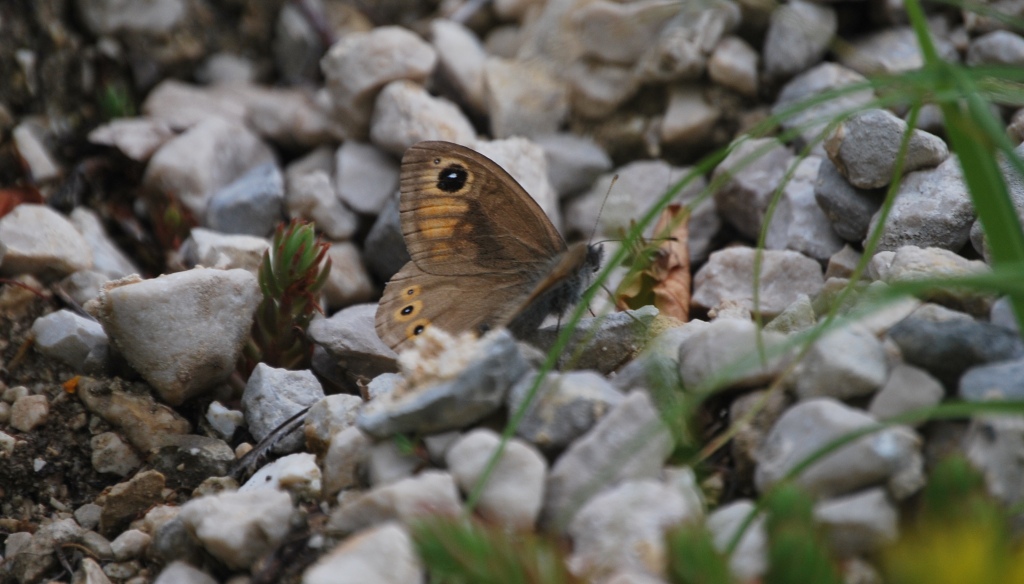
[(593, 230)]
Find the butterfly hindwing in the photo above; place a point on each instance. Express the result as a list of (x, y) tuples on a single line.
[(414, 301)]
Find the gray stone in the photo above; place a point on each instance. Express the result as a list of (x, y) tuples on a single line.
[(514, 491), (226, 67), (83, 285), (452, 400), (751, 173), (88, 515), (378, 555), (845, 363), (295, 473), (110, 454), (620, 33), (843, 263), (892, 51), (182, 332), (28, 412), (947, 349), (879, 457), (311, 196), (1002, 314), (272, 396), (130, 545), (251, 205), (602, 343), (348, 282), (565, 406), (932, 209), (429, 494), (857, 524), (291, 117), (635, 515), (728, 278), (344, 463), (750, 559), (132, 408), (35, 239), (524, 98), (631, 442), (365, 177), (90, 572), (188, 460), (690, 118), (734, 64), (405, 113), (107, 17), (907, 389), (352, 345), (74, 340), (725, 353), (182, 106), (29, 139), (848, 208), (389, 462), (811, 121), (865, 148), (911, 263), (386, 241), (361, 63), (798, 316), (106, 257), (999, 47), (206, 158), (225, 422), (179, 572), (799, 35), (574, 162), (210, 249), (680, 51), (239, 528), (993, 445), (657, 364), (327, 417), (798, 223), (460, 63), (37, 557), (754, 414), (126, 500), (996, 381), (598, 89)]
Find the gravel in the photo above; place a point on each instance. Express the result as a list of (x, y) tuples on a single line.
[(138, 202)]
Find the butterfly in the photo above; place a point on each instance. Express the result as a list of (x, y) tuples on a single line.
[(484, 254)]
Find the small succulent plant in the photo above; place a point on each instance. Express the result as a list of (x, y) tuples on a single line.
[(293, 271)]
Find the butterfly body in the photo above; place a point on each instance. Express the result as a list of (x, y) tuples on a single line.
[(484, 254)]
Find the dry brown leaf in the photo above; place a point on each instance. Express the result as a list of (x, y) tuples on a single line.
[(660, 272)]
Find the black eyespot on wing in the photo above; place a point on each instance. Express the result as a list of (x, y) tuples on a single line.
[(483, 328), (407, 310), (452, 178), (419, 329)]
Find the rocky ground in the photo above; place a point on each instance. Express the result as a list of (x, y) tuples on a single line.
[(149, 149)]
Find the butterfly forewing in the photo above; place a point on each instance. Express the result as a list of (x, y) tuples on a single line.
[(462, 214)]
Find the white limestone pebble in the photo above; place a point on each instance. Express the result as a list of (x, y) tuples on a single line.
[(239, 528), (35, 239)]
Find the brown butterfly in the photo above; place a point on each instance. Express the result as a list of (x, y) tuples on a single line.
[(484, 254)]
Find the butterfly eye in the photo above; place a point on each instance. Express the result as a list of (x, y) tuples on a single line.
[(452, 178)]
